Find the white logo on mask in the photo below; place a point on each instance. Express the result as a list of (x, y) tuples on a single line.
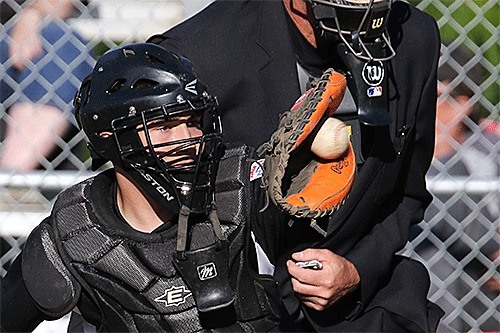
[(191, 87)]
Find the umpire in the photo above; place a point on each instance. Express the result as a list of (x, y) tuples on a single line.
[(257, 57)]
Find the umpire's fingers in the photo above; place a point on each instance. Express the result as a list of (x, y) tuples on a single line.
[(318, 304), (304, 275), (315, 297), (312, 254), (309, 290)]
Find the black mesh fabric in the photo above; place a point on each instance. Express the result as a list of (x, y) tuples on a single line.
[(136, 275), (232, 203), (73, 218), (118, 270)]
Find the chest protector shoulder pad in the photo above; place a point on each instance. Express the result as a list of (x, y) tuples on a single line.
[(42, 263)]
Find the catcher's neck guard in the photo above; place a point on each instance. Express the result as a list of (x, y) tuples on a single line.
[(370, 86), (205, 270), (358, 29)]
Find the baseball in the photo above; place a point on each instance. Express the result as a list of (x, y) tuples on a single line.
[(332, 140)]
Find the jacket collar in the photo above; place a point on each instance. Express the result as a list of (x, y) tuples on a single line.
[(275, 55)]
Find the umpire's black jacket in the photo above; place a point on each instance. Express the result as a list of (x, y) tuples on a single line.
[(243, 51)]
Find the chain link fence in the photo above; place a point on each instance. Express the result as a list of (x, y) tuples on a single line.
[(459, 237)]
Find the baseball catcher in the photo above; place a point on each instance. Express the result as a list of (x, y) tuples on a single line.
[(140, 247)]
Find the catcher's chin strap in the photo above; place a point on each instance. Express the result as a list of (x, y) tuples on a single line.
[(205, 270), (182, 229)]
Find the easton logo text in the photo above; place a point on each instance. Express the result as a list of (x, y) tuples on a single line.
[(154, 183)]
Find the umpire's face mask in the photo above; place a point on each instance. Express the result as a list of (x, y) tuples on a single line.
[(355, 30), (359, 24)]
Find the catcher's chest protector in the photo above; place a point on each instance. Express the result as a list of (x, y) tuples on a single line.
[(132, 285)]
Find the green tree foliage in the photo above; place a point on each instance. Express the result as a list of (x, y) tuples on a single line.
[(475, 24)]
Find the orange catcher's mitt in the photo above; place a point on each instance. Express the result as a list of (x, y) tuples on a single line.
[(299, 182)]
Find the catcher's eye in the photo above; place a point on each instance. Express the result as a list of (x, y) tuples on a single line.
[(160, 126), (194, 121)]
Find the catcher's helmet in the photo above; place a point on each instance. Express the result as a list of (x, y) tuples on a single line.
[(133, 87), (356, 23)]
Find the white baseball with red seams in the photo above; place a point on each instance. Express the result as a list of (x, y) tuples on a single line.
[(332, 140)]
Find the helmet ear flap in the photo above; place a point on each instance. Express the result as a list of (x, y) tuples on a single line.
[(97, 161)]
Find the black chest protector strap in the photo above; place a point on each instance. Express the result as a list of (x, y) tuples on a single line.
[(234, 195)]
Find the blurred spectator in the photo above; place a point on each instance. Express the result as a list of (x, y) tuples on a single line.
[(44, 62), (491, 126), (469, 229)]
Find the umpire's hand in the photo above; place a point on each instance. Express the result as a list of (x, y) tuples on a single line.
[(319, 289)]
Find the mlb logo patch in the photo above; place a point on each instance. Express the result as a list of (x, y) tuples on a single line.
[(299, 101), (374, 91), (256, 169)]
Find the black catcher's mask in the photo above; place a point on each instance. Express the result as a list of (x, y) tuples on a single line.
[(355, 24), (133, 90)]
